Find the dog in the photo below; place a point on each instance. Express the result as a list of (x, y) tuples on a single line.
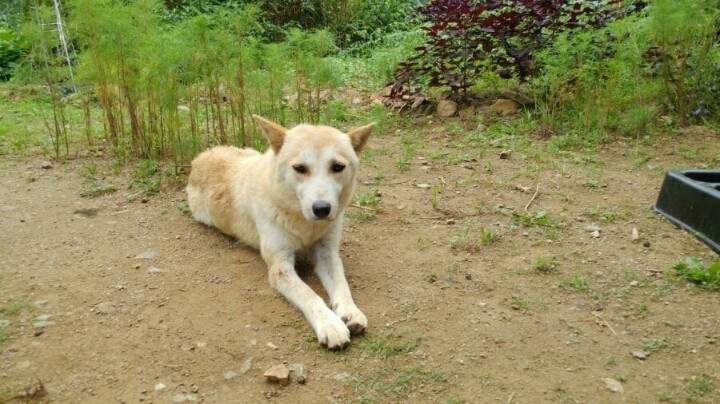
[(286, 201)]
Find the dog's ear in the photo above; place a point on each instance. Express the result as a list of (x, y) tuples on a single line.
[(359, 136), (274, 133)]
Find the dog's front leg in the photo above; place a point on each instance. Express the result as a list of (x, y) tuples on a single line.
[(280, 259), (329, 268)]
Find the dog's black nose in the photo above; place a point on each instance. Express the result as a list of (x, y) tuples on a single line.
[(321, 209)]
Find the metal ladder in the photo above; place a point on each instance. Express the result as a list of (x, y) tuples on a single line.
[(65, 47)]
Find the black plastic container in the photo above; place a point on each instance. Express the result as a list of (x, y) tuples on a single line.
[(691, 199)]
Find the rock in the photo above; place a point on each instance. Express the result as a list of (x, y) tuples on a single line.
[(181, 398), (593, 229), (341, 377), (146, 255), (160, 387), (635, 235), (642, 355), (467, 113), (505, 154), (505, 107), (271, 346), (105, 308), (446, 108), (423, 186), (450, 221), (297, 372), (613, 385), (4, 323), (42, 321), (194, 388), (38, 332), (246, 365), (634, 283), (229, 375), (154, 270), (46, 165), (38, 303), (481, 128), (646, 244), (595, 234), (279, 374)]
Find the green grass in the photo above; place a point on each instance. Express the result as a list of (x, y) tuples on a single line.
[(14, 308), (390, 384), (540, 219), (653, 344), (695, 271), (527, 305), (435, 196), (487, 236), (145, 176), (575, 283), (95, 187), (387, 345), (368, 199), (699, 385), (361, 216), (545, 265)]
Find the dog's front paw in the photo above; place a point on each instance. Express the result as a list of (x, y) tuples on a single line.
[(331, 331), (354, 319)]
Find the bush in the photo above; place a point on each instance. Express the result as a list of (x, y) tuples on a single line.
[(468, 37), (11, 52)]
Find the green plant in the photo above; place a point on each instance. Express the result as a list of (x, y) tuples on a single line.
[(697, 272), (699, 385), (387, 345), (371, 198), (540, 219), (653, 344), (487, 236), (545, 265), (435, 196), (575, 283)]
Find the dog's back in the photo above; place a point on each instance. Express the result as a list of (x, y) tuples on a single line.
[(209, 190)]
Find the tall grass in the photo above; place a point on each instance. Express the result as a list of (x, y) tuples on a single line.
[(171, 90)]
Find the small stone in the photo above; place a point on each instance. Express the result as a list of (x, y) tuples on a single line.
[(271, 345), (634, 283), (642, 355), (341, 377), (595, 234), (4, 323), (229, 375), (450, 221), (146, 255), (246, 365), (279, 374), (38, 303), (505, 107), (505, 154), (201, 344), (446, 108), (646, 244), (635, 235), (155, 270), (194, 388), (160, 387), (423, 186), (297, 372), (468, 276), (105, 308), (38, 332), (613, 385), (46, 165), (180, 397)]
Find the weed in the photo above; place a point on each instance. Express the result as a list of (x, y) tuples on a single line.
[(462, 240), (435, 197), (408, 148), (183, 207), (545, 265), (368, 199), (362, 216), (575, 283), (14, 308), (653, 344), (695, 271), (90, 170), (95, 188), (699, 385), (393, 382), (527, 305), (540, 219), (387, 345), (487, 236)]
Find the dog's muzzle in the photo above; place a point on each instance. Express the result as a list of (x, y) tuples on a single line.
[(321, 209)]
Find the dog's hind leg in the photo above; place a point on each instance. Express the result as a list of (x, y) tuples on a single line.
[(280, 258), (329, 268)]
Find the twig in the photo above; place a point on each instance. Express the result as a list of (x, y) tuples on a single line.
[(537, 190), (512, 395), (605, 323), (354, 205)]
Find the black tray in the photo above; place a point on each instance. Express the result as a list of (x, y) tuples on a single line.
[(691, 199)]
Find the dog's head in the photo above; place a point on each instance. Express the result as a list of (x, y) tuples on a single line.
[(316, 165)]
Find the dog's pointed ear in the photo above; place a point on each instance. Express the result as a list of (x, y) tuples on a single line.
[(274, 133), (359, 136)]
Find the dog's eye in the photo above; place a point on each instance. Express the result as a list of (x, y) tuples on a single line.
[(337, 167), (300, 168)]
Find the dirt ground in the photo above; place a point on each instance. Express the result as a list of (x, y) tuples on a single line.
[(469, 298)]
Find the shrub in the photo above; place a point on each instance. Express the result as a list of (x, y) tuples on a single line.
[(467, 37), (11, 51)]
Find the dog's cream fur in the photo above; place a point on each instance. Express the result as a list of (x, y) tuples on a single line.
[(266, 202)]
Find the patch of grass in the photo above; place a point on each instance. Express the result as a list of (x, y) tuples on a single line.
[(183, 207), (695, 271), (435, 197), (90, 170), (545, 265), (699, 385), (408, 148), (487, 236), (387, 345), (653, 344), (145, 176), (370, 199), (361, 216), (95, 188), (540, 219), (461, 240), (575, 283), (608, 215), (390, 384), (14, 308), (527, 305)]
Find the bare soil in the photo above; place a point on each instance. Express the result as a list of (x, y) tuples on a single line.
[(541, 311)]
